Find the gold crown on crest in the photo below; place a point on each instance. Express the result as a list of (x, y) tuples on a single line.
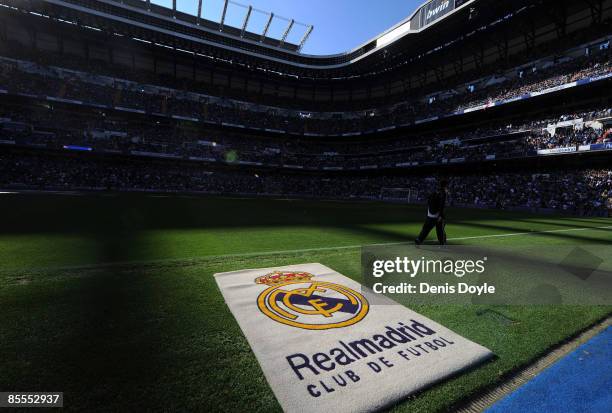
[(281, 277)]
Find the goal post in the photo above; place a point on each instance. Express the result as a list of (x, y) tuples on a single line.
[(406, 195)]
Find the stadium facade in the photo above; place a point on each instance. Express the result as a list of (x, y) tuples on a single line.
[(511, 99)]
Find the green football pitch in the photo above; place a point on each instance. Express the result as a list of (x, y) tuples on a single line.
[(111, 299)]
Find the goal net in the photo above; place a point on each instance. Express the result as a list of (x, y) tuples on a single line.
[(399, 195)]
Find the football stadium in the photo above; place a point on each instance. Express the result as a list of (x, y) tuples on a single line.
[(198, 214)]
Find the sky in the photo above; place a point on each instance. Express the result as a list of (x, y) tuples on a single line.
[(339, 25)]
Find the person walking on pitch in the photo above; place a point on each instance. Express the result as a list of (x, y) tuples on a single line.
[(436, 204)]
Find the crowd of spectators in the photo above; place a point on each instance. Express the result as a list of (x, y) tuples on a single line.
[(55, 129), (578, 191), (586, 192), (37, 80), (173, 128)]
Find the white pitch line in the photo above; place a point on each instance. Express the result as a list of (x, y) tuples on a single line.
[(346, 247), (529, 233)]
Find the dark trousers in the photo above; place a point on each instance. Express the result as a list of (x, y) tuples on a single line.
[(428, 226)]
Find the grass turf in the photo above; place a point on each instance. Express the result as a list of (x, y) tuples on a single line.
[(156, 334)]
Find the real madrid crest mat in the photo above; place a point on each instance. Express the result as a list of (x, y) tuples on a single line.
[(323, 347)]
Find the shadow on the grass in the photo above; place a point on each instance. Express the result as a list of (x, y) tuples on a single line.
[(89, 213)]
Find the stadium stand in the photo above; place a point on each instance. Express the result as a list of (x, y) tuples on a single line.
[(580, 192), (29, 78), (496, 96)]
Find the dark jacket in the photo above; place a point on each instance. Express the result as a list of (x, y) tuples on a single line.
[(436, 203)]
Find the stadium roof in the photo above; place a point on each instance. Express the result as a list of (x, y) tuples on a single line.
[(438, 33), (146, 16)]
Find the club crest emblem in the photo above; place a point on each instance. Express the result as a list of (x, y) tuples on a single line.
[(294, 299)]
